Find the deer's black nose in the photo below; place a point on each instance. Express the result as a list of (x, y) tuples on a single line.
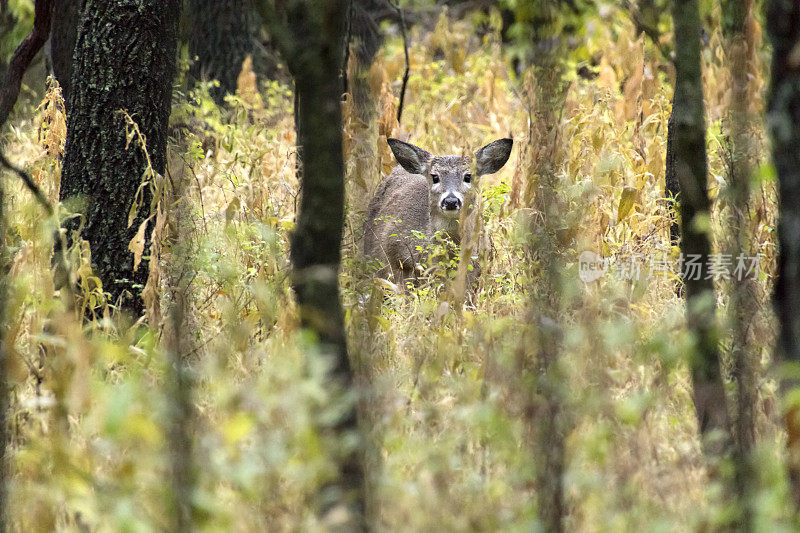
[(451, 203)]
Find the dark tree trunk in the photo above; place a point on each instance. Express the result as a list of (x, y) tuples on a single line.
[(691, 169), (63, 34), (672, 188), (313, 49), (783, 26), (365, 40), (222, 33), (125, 60), (316, 243)]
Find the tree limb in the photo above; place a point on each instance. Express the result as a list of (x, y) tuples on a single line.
[(401, 12), (23, 56), (29, 183)]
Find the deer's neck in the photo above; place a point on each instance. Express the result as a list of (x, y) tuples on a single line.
[(446, 225)]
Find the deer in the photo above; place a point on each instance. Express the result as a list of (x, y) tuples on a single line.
[(423, 196)]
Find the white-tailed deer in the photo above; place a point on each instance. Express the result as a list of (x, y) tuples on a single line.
[(423, 195)]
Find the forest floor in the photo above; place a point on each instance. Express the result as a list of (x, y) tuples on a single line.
[(443, 411)]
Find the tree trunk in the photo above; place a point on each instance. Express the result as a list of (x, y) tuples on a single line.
[(743, 302), (63, 34), (783, 27), (672, 188), (222, 33), (364, 41), (176, 337), (4, 387), (316, 243), (542, 367), (125, 60), (691, 169), (313, 49)]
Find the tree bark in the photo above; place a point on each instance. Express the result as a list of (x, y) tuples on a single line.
[(222, 33), (783, 27), (691, 168), (125, 60), (311, 39), (63, 34)]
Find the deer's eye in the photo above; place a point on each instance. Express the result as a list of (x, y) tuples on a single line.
[(435, 178), (467, 178)]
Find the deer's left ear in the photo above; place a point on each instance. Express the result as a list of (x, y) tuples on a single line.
[(493, 156)]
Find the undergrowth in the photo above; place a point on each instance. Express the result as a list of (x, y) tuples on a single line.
[(441, 405)]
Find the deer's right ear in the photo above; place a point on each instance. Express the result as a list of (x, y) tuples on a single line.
[(493, 156), (413, 159)]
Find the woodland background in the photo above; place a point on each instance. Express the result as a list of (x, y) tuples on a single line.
[(206, 399)]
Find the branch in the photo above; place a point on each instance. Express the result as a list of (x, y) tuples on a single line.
[(23, 56), (19, 63), (408, 63), (25, 177)]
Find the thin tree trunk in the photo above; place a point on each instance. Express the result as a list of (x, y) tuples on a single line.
[(310, 36), (178, 278), (11, 78), (365, 40), (542, 365), (691, 169), (4, 386), (672, 188), (125, 60), (783, 26), (743, 303)]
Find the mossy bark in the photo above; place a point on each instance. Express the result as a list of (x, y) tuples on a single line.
[(691, 169), (783, 26), (124, 60)]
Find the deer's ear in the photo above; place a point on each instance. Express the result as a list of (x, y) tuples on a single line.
[(493, 156), (412, 158)]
